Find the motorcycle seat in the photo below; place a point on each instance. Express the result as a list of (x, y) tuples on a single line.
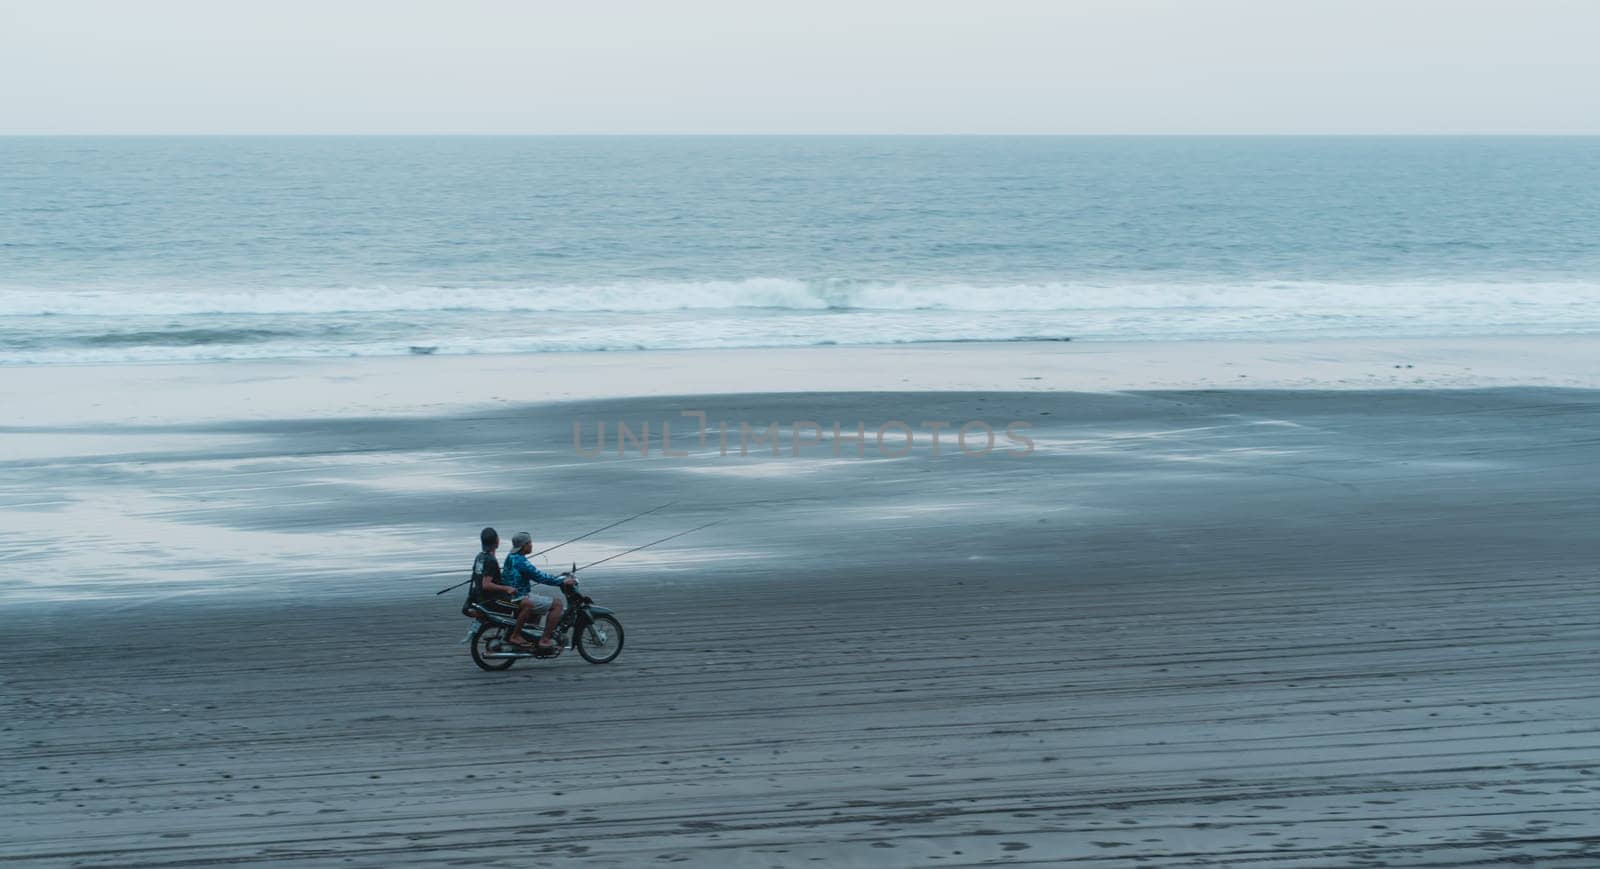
[(494, 608)]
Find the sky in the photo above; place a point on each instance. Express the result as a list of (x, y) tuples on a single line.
[(817, 66)]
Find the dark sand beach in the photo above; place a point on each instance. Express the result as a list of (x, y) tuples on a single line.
[(1278, 628)]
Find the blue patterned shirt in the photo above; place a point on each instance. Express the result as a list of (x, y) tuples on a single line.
[(520, 574)]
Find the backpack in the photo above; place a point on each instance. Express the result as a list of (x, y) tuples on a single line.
[(474, 586)]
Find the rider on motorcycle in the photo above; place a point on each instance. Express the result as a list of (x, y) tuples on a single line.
[(522, 574), (488, 587)]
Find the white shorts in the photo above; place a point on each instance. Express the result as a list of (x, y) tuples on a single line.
[(541, 603)]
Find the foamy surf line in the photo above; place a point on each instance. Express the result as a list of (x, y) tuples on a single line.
[(789, 294), (112, 325)]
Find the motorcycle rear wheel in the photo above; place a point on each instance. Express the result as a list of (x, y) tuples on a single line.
[(600, 642), (482, 639)]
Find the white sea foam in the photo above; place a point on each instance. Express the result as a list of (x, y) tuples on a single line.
[(142, 325), (794, 295)]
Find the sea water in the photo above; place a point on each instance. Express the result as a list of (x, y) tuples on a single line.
[(170, 249)]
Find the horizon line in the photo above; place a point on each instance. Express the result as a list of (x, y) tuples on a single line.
[(734, 135)]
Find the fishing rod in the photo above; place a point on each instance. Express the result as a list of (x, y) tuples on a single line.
[(575, 568), (573, 540), (606, 528)]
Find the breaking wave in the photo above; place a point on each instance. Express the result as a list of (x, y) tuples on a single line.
[(790, 295), (91, 326), (182, 337)]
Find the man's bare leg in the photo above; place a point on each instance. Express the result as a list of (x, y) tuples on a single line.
[(524, 612), (550, 624)]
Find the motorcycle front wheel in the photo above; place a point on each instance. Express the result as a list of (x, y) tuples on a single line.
[(601, 641), (485, 641)]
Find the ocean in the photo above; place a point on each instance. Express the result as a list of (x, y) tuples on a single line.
[(156, 249)]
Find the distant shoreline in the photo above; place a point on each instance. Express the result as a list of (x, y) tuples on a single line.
[(806, 135)]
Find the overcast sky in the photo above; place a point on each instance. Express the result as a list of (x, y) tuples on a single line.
[(803, 66)]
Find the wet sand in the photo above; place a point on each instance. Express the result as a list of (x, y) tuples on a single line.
[(77, 396), (1298, 628)]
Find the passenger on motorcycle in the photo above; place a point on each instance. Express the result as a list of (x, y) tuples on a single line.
[(522, 574), (489, 586)]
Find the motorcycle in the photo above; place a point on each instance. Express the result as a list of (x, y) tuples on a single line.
[(593, 630)]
